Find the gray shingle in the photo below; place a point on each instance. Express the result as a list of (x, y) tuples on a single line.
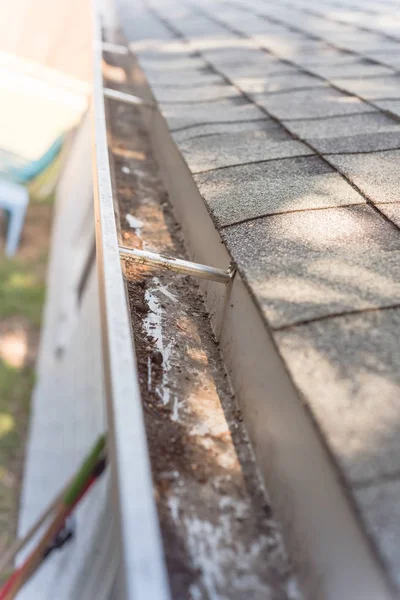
[(348, 370), (252, 25), (380, 509), (392, 106), (355, 40), (377, 175), (359, 68), (362, 124), (202, 93), (316, 263), (224, 111), (206, 42), (165, 48), (290, 45), (388, 58), (169, 45), (168, 50), (194, 26), (227, 149), (278, 83), (329, 56), (312, 103), (145, 28), (360, 143), (359, 133), (212, 128), (284, 185), (168, 62), (183, 78), (238, 54), (245, 72), (371, 89), (391, 211)]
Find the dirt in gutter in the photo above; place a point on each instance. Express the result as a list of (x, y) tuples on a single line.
[(220, 538)]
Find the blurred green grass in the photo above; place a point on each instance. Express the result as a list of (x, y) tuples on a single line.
[(15, 391), (22, 291), (22, 294)]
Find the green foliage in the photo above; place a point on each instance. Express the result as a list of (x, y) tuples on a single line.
[(21, 291), (15, 390)]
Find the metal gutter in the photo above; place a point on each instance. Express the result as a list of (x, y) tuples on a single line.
[(122, 97), (142, 572)]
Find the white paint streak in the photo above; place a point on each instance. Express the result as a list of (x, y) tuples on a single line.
[(200, 429), (175, 410), (153, 326), (135, 224), (213, 555), (149, 373), (240, 509), (203, 540), (227, 460), (293, 590), (195, 592), (125, 170), (213, 548), (169, 475), (173, 504), (164, 290)]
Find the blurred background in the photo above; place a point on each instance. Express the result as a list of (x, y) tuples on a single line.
[(45, 65)]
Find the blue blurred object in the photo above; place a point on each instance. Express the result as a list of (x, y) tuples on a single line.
[(14, 196), (28, 171)]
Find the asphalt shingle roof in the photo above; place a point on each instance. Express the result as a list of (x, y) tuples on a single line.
[(300, 268), (183, 115), (312, 218), (268, 188), (226, 149)]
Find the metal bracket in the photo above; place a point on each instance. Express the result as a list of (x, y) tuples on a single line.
[(115, 48), (127, 98), (169, 263)]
